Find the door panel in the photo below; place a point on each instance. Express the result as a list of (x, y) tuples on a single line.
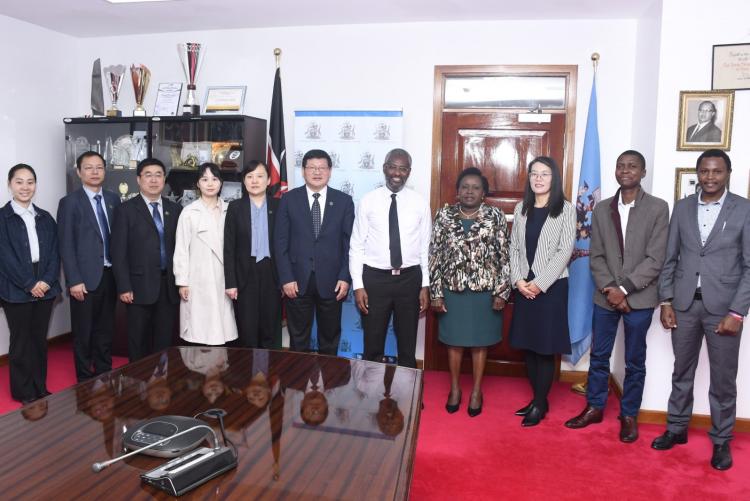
[(501, 147)]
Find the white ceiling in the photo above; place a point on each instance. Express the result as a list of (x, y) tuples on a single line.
[(94, 18)]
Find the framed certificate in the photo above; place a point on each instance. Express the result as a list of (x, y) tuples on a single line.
[(167, 99), (224, 100), (731, 67)]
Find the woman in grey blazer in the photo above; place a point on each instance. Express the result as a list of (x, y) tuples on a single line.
[(540, 247)]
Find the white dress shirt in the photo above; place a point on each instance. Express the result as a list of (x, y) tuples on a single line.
[(321, 200), (151, 208), (29, 217), (624, 210), (369, 243)]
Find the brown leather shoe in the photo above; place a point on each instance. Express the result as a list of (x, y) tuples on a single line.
[(628, 429), (589, 415)]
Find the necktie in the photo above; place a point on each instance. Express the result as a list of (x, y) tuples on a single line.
[(393, 235), (316, 215), (160, 229), (103, 226)]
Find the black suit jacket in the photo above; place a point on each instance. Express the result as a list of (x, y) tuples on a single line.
[(136, 258), (79, 237), (237, 234), (298, 252)]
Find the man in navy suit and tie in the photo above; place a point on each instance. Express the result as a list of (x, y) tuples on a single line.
[(83, 224), (311, 240), (143, 242)]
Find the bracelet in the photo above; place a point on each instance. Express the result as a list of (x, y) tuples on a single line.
[(665, 303), (737, 316)]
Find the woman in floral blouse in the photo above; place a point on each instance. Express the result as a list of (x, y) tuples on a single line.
[(469, 280)]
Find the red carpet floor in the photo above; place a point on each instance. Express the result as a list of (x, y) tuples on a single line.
[(492, 457)]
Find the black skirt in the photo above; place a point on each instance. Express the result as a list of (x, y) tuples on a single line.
[(541, 324)]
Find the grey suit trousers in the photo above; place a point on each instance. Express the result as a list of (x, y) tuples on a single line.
[(723, 352)]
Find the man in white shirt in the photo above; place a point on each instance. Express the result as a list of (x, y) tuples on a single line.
[(388, 261)]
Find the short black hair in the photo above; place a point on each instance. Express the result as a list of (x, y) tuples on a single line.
[(211, 167), (714, 153), (17, 167), (251, 166), (316, 154), (636, 154), (473, 171), (398, 152), (556, 194), (87, 154), (146, 162)]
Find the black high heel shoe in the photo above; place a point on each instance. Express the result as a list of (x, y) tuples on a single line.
[(533, 417), (451, 408), (524, 410), (475, 411)]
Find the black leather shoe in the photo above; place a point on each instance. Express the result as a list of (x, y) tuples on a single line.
[(589, 415), (475, 411), (451, 408), (722, 457), (533, 417), (668, 440), (524, 410), (628, 429)]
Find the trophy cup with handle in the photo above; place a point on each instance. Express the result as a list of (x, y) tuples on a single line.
[(114, 76), (141, 77), (191, 55)]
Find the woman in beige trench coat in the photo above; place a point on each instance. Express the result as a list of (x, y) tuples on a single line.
[(206, 314)]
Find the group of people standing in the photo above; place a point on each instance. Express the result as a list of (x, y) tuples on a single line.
[(229, 265)]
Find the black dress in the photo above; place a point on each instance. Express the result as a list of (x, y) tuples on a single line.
[(541, 324)]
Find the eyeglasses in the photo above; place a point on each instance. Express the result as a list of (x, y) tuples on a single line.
[(316, 168), (540, 175)]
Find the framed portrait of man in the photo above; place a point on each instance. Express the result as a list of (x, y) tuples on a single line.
[(705, 120), (685, 182)]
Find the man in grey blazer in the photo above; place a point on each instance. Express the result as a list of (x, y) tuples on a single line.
[(705, 291), (628, 243)]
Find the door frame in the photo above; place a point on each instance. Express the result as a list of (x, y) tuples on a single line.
[(569, 72)]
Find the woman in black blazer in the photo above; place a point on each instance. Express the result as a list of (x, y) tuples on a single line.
[(29, 282), (249, 270)]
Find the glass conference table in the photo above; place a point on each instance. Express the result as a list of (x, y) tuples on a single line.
[(305, 426)]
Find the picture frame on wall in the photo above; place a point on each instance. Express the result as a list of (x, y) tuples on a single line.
[(705, 120), (685, 182), (730, 67)]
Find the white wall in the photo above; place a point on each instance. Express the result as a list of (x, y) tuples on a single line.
[(36, 90), (687, 35), (384, 66)]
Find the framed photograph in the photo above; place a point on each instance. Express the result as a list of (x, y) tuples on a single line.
[(685, 182), (167, 99), (224, 100), (730, 67), (705, 120)]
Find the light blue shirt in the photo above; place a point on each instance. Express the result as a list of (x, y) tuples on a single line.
[(259, 247), (91, 196), (708, 213)]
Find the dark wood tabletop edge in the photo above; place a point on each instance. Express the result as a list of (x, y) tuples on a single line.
[(403, 483)]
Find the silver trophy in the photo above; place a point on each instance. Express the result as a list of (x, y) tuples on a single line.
[(113, 79), (191, 55), (141, 76)]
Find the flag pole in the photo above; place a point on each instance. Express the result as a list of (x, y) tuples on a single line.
[(277, 55), (594, 61)]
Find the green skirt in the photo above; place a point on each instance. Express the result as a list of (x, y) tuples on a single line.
[(470, 320)]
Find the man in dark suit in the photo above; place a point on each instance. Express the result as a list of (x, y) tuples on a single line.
[(311, 242), (705, 292), (628, 243), (83, 225), (704, 131), (143, 242)]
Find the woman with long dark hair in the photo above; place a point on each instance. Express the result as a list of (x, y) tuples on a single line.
[(540, 248), (29, 282)]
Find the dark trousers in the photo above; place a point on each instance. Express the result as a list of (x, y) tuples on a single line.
[(636, 324), (150, 326), (723, 353), (299, 319), (27, 353), (92, 322), (541, 371), (258, 308), (392, 294)]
